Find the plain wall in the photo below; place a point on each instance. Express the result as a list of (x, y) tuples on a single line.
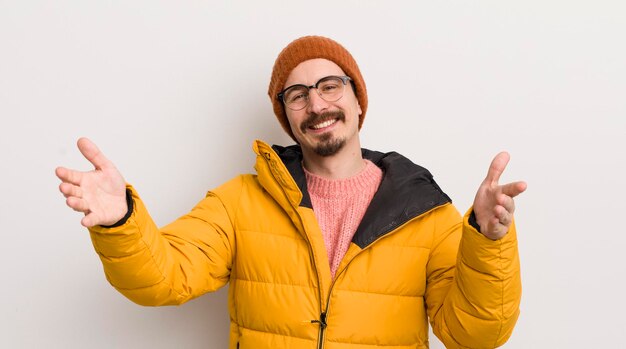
[(175, 92)]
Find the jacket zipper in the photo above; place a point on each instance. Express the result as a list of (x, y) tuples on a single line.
[(322, 319), (324, 313), (322, 330)]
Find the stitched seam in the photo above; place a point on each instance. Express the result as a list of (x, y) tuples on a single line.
[(420, 343), (299, 238), (379, 293), (275, 334), (156, 264), (274, 283)]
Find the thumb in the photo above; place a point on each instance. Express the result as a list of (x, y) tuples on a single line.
[(498, 164), (91, 152)]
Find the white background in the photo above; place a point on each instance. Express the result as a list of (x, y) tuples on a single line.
[(175, 93)]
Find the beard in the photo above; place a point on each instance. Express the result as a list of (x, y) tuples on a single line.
[(327, 145)]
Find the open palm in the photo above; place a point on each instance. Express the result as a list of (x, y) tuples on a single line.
[(100, 193)]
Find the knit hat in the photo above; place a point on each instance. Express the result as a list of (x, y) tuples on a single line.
[(303, 49)]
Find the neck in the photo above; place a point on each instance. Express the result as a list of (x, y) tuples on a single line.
[(346, 163)]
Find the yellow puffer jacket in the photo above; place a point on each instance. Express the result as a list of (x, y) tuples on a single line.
[(259, 233)]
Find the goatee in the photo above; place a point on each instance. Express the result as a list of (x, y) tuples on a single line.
[(327, 145)]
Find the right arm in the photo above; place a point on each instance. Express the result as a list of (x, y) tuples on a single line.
[(181, 261), (150, 266)]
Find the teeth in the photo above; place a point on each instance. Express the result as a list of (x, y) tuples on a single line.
[(323, 124)]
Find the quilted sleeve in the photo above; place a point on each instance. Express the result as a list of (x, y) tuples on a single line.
[(474, 286), (183, 260)]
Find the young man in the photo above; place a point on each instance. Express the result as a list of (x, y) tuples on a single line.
[(328, 245)]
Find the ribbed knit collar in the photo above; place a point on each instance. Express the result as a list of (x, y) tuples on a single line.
[(369, 177)]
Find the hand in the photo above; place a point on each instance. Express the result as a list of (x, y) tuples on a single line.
[(100, 194), (493, 204)]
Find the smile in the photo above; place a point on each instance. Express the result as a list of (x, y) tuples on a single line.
[(324, 124)]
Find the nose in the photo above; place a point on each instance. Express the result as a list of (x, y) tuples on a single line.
[(316, 104)]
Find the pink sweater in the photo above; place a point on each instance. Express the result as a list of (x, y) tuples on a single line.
[(339, 206)]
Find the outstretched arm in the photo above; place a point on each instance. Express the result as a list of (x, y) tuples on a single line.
[(474, 286), (150, 266)]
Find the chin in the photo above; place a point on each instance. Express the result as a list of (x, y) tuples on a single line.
[(329, 147)]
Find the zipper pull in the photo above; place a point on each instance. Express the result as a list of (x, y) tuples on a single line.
[(321, 321)]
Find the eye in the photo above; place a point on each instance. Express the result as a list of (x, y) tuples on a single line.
[(296, 94), (329, 86), (296, 97)]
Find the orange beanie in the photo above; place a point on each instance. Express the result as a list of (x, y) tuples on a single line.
[(303, 49)]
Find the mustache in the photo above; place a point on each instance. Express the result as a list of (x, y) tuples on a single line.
[(315, 119)]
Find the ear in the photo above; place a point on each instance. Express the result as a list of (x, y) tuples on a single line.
[(358, 105)]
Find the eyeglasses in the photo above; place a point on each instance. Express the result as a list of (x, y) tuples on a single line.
[(330, 89)]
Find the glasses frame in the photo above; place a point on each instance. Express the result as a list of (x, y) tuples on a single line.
[(344, 79)]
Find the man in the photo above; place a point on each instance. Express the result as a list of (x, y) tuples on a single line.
[(328, 245)]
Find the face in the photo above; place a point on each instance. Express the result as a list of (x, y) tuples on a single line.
[(323, 127)]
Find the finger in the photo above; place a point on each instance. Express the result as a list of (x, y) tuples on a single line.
[(495, 228), (69, 176), (70, 190), (88, 221), (77, 204), (507, 202), (514, 189), (504, 217), (498, 164), (91, 152)]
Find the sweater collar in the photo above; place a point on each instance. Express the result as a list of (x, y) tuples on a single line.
[(368, 177), (406, 191)]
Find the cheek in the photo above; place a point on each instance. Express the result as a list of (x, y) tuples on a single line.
[(354, 105), (294, 123), (291, 119), (356, 111)]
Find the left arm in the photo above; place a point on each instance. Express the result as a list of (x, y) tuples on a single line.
[(475, 303)]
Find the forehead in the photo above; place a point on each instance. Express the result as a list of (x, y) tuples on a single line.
[(309, 72)]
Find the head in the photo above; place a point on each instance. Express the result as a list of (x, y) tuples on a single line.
[(304, 62)]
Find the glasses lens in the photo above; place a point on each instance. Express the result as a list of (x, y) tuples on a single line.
[(330, 88), (296, 97)]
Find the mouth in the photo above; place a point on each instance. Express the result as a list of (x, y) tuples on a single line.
[(318, 123), (323, 124)]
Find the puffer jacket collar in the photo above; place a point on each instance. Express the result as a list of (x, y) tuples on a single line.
[(406, 191)]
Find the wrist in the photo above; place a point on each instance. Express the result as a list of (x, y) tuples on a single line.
[(129, 211)]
